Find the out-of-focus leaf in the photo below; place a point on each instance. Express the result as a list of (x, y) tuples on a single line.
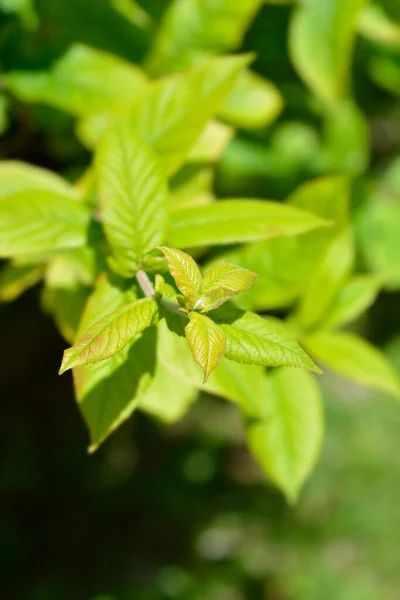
[(197, 190), (212, 143), (253, 102), (133, 197), (222, 281), (356, 296), (255, 340), (238, 221), (354, 359), (134, 12), (287, 443), (4, 104), (171, 115), (321, 42), (111, 334), (192, 29), (16, 279), (185, 272), (109, 391), (25, 9), (84, 81), (376, 25), (385, 72), (331, 272), (37, 221), (16, 176), (207, 342)]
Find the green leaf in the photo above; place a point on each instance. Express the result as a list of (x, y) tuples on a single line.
[(375, 25), (16, 176), (207, 342), (172, 114), (321, 42), (111, 334), (356, 296), (330, 274), (4, 116), (109, 391), (16, 279), (255, 340), (185, 272), (192, 29), (212, 143), (287, 443), (254, 102), (222, 281), (238, 221), (36, 221), (355, 359), (84, 81), (133, 197), (25, 9)]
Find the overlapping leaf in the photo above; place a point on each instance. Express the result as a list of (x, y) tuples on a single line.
[(185, 272), (207, 342)]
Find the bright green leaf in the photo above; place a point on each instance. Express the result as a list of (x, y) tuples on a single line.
[(185, 272), (356, 296), (212, 143), (207, 342), (133, 197), (16, 176), (238, 221), (355, 359), (222, 281), (172, 114), (36, 221), (16, 279), (111, 334), (376, 25), (287, 443), (321, 42), (255, 340)]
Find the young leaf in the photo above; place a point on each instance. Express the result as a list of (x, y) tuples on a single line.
[(222, 281), (185, 272), (287, 443), (16, 176), (321, 41), (356, 296), (37, 221), (207, 342), (171, 115), (16, 279), (254, 340), (331, 272), (133, 197), (109, 391), (111, 334), (238, 221), (355, 359)]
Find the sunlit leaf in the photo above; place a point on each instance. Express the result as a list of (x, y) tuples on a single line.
[(16, 176), (185, 272), (16, 279), (222, 281), (207, 342)]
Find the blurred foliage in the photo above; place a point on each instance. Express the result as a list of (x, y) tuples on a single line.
[(183, 512)]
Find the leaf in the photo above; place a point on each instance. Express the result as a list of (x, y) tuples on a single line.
[(212, 143), (84, 81), (331, 272), (254, 340), (238, 221), (133, 197), (207, 342), (109, 391), (321, 42), (36, 221), (287, 443), (185, 272), (222, 281), (375, 25), (356, 296), (25, 9), (16, 279), (16, 176), (254, 102), (355, 359), (111, 334), (193, 29), (4, 113), (172, 114)]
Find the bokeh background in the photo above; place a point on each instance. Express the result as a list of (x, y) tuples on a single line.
[(183, 512)]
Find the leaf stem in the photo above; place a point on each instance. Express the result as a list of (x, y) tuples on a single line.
[(145, 284)]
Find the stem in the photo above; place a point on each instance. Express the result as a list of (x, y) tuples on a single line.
[(145, 284)]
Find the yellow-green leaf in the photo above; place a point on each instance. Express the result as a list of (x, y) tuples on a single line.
[(185, 272), (133, 196), (354, 359), (207, 342), (287, 443), (222, 281), (16, 279), (16, 176)]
